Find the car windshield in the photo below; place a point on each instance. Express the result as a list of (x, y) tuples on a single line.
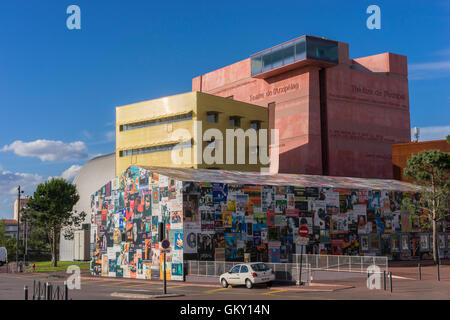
[(260, 267)]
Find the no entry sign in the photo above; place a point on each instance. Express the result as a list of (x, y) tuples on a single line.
[(165, 244), (303, 231)]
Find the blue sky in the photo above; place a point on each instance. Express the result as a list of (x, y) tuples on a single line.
[(59, 87)]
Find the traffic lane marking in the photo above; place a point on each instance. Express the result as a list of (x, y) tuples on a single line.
[(273, 291), (216, 290)]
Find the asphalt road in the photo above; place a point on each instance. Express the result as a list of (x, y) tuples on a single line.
[(405, 286)]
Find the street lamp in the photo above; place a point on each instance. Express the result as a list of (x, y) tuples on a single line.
[(25, 235), (18, 226)]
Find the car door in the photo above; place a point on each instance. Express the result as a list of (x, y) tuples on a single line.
[(233, 277), (244, 273)]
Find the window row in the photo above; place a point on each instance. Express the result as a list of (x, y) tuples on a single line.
[(155, 122), (160, 148), (234, 121)]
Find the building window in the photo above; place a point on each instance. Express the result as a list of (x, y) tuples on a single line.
[(154, 122), (212, 116), (255, 124), (235, 121), (160, 148)]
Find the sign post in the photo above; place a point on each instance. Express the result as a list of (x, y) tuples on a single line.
[(303, 232), (165, 244)]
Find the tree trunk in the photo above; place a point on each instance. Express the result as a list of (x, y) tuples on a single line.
[(54, 255), (435, 243)]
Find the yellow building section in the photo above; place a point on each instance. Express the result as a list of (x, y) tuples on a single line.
[(169, 132)]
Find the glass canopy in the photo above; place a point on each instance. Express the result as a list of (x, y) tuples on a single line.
[(299, 49)]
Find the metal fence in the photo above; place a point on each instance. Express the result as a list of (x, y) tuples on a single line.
[(341, 263), (48, 291), (289, 272)]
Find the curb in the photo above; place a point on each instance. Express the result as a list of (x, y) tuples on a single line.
[(144, 296)]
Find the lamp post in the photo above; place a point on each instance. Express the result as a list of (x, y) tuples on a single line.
[(18, 226), (25, 235)]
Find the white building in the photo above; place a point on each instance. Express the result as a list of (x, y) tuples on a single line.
[(92, 176)]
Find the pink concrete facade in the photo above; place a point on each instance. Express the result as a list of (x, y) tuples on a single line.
[(336, 120)]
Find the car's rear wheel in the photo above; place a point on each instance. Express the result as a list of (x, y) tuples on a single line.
[(248, 284), (224, 283), (269, 284)]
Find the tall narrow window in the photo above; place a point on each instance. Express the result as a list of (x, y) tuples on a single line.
[(255, 124), (235, 121), (212, 116)]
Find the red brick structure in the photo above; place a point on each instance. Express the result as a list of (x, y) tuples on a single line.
[(336, 116), (403, 151)]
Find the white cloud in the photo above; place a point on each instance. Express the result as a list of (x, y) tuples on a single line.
[(429, 70), (429, 66), (71, 172), (48, 150), (432, 133), (110, 135), (9, 181), (86, 134)]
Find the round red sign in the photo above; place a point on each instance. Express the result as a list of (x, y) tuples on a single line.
[(303, 231), (165, 244)]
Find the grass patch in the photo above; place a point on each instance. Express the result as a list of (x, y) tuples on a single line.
[(46, 266)]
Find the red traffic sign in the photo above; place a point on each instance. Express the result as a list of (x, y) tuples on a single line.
[(165, 244), (303, 231)]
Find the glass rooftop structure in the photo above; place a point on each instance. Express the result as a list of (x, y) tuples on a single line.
[(288, 53)]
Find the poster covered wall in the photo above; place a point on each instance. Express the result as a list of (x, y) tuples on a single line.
[(224, 221)]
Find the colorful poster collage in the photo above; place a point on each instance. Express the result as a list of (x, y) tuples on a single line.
[(125, 215), (224, 221)]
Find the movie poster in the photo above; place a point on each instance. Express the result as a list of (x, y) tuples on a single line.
[(205, 246), (219, 192), (207, 215), (190, 240), (227, 217), (231, 252)]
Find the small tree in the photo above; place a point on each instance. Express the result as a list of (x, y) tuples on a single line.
[(51, 208), (430, 170)]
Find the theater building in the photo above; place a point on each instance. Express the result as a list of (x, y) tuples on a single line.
[(148, 132), (336, 115)]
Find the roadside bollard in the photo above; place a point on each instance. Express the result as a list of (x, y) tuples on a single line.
[(48, 291), (390, 281), (420, 271), (384, 280), (66, 291), (26, 292)]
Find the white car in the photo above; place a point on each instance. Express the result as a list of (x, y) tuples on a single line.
[(247, 274)]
